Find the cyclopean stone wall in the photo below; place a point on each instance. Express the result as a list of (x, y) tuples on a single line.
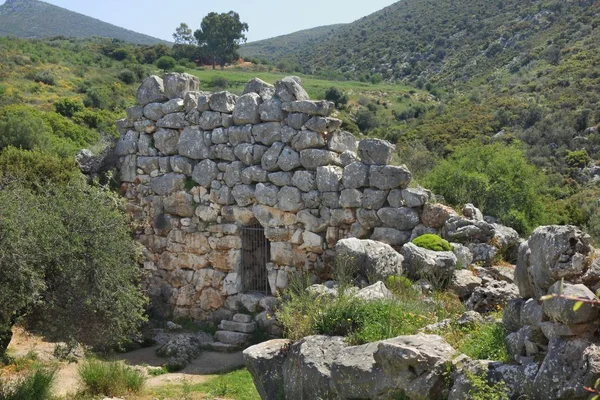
[(196, 167)]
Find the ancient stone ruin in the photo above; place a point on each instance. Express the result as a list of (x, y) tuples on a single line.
[(233, 194)]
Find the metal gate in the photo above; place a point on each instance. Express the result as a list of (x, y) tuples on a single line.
[(256, 252)]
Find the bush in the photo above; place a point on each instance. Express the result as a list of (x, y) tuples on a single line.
[(337, 96), (496, 178), (110, 378), (45, 77), (578, 159), (35, 386), (23, 127), (69, 265), (166, 63), (127, 76), (34, 168), (432, 242), (67, 107), (482, 390), (218, 82), (97, 98), (366, 120)]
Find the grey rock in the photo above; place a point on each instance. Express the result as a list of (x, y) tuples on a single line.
[(288, 134), (180, 204), (314, 158), (148, 164), (470, 318), (246, 109), (270, 111), (234, 338), (233, 174), (471, 212), (288, 159), (308, 140), (267, 133), (505, 238), (377, 291), (552, 253), (220, 136), (341, 141), (134, 113), (399, 218), (531, 313), (462, 230), (436, 267), (123, 125), (329, 178), (307, 368), (167, 184), (271, 157), (436, 215), (389, 177), (463, 283), (127, 144), (265, 361), (491, 296), (266, 194), (290, 89), (243, 195), (297, 120), (351, 198), (253, 174), (413, 197), (264, 89), (145, 126), (240, 134), (167, 141), (369, 258), (223, 102), (417, 363), (154, 111), (391, 236), (368, 219), (194, 144), (190, 101), (304, 180), (373, 199), (312, 199), (290, 199), (356, 175), (463, 255), (205, 172), (561, 310), (375, 151), (210, 120), (511, 316), (152, 90), (173, 121), (128, 168), (348, 158), (173, 106), (322, 108), (281, 178), (311, 222), (250, 154), (182, 348), (177, 85), (323, 125), (553, 330), (483, 252)]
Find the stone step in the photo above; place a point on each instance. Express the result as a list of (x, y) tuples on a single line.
[(219, 347), (245, 318), (228, 337), (238, 326)]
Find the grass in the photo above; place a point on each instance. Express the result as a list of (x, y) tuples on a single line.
[(110, 378), (303, 314), (34, 386), (236, 385)]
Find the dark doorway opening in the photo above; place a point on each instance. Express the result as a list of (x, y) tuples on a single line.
[(256, 253)]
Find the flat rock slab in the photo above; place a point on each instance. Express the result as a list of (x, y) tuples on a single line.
[(211, 362)]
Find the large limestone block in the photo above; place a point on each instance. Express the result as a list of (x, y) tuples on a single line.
[(177, 85), (369, 258), (561, 310), (437, 267), (387, 177), (265, 363), (290, 89), (152, 90), (375, 151)]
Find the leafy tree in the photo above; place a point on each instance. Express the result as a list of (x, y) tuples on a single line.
[(496, 178), (184, 35), (337, 96), (166, 63), (56, 272), (220, 36)]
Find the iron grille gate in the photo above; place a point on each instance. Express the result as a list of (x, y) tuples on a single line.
[(256, 252)]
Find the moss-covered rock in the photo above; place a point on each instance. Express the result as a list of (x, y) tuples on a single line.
[(432, 242)]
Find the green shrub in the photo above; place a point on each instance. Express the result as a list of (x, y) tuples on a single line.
[(218, 82), (110, 378), (578, 159), (23, 127), (166, 63), (45, 77), (432, 242), (366, 120), (67, 107), (337, 96), (482, 390), (485, 342), (496, 178), (34, 168), (35, 386), (127, 76)]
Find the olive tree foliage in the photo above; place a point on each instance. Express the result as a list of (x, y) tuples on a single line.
[(67, 265), (220, 35), (184, 35)]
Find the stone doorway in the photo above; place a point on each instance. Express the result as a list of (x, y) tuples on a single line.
[(256, 253)]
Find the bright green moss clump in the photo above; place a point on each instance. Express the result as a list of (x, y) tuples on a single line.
[(432, 242)]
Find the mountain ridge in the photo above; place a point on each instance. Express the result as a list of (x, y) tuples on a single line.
[(38, 19)]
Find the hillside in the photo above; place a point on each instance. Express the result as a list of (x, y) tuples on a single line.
[(275, 48), (37, 19)]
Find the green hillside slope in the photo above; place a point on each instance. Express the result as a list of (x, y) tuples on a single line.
[(281, 46), (36, 19)]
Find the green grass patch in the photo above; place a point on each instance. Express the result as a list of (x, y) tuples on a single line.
[(236, 385), (110, 378), (34, 386)]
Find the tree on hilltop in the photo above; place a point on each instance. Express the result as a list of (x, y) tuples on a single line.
[(220, 36), (184, 35)]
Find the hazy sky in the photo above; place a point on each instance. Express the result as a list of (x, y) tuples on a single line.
[(266, 18)]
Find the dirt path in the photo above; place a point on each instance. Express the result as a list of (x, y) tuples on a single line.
[(200, 370)]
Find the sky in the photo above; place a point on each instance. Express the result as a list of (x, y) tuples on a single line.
[(266, 18)]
